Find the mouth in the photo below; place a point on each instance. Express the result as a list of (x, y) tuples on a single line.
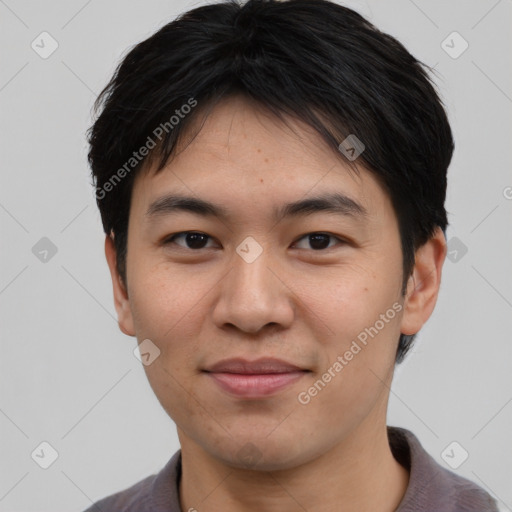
[(254, 379)]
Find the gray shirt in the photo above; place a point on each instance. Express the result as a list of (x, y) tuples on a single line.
[(432, 488)]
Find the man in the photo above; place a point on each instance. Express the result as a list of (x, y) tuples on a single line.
[(271, 178)]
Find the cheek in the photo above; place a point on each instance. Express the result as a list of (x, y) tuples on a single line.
[(354, 379), (362, 317), (367, 326), (166, 309), (163, 300), (347, 299)]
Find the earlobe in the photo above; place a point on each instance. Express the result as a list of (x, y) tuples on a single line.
[(121, 300), (423, 285)]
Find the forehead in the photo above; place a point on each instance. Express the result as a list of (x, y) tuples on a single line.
[(240, 154)]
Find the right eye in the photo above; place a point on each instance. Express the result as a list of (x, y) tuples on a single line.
[(193, 240)]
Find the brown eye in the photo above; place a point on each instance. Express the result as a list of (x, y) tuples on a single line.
[(319, 241), (192, 240)]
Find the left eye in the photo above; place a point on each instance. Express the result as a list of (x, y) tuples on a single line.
[(319, 241), (195, 240)]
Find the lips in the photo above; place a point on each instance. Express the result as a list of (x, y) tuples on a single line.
[(258, 367), (254, 379)]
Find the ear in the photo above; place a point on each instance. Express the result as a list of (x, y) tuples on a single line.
[(423, 284), (121, 300)]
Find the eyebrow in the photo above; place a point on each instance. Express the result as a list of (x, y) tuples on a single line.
[(335, 203)]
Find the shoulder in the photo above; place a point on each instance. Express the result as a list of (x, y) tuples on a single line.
[(431, 486), (134, 498), (155, 493)]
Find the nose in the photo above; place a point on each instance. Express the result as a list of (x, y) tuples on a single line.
[(254, 295)]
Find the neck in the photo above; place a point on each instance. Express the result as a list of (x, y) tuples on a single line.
[(359, 473)]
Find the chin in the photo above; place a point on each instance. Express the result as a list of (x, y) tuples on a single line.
[(262, 453)]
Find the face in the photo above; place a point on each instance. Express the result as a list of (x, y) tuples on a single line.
[(317, 289)]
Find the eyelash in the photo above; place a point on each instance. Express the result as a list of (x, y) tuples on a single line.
[(171, 239)]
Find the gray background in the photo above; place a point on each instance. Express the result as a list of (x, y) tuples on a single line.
[(69, 376)]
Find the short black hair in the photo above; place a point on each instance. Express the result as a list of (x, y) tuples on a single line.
[(311, 60)]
